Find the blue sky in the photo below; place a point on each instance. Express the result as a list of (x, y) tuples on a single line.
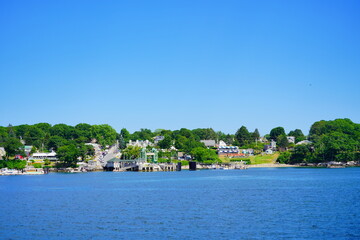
[(173, 64)]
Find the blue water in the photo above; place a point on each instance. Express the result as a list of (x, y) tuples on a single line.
[(264, 203)]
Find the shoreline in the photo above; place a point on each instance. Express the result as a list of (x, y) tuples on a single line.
[(271, 165)]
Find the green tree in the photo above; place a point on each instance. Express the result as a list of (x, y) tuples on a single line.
[(68, 155), (82, 151), (337, 140), (34, 136), (282, 141), (336, 146), (55, 142), (131, 152), (276, 132), (104, 134), (11, 131), (205, 133), (165, 143), (122, 143), (180, 142), (63, 130), (15, 164), (255, 135), (90, 150), (204, 155), (301, 153), (284, 157), (298, 134), (125, 134), (13, 146), (243, 136), (186, 133), (83, 131), (190, 144), (123, 138), (143, 134), (3, 134), (45, 127)]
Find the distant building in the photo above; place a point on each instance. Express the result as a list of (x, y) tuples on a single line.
[(272, 146), (230, 151), (2, 152), (304, 142), (291, 139), (41, 156), (247, 152), (27, 150), (221, 144), (158, 139), (263, 139), (208, 143), (182, 156), (139, 143), (269, 151)]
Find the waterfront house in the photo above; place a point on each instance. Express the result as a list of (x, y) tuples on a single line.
[(40, 157), (229, 151), (208, 143)]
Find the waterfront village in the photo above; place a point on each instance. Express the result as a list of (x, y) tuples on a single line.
[(42, 148), (110, 158)]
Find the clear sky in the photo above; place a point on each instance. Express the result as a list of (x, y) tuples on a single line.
[(173, 64)]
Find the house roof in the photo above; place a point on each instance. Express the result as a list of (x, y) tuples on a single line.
[(120, 160), (51, 154), (208, 142)]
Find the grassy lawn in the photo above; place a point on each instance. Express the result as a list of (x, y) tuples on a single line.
[(259, 159)]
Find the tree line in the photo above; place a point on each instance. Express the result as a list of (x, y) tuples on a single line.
[(336, 140), (68, 141)]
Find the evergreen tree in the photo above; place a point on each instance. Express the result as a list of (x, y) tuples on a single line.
[(276, 132), (243, 136), (255, 135)]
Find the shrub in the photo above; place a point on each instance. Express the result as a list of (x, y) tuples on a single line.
[(37, 165), (284, 157)]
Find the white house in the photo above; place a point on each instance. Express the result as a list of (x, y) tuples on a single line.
[(2, 152), (158, 139), (140, 143), (41, 156), (304, 142), (222, 144), (273, 145), (291, 139)]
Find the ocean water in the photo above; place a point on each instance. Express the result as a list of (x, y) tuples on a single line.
[(261, 203)]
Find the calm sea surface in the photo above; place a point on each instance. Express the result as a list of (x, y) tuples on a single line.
[(264, 203)]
